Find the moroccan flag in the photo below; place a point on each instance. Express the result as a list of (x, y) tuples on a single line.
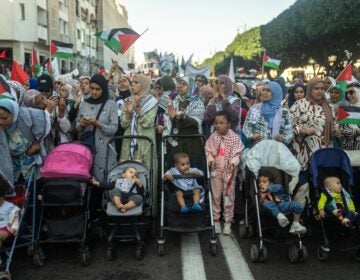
[(118, 39), (3, 54), (61, 50), (345, 77), (349, 115), (18, 74), (271, 62), (35, 66)]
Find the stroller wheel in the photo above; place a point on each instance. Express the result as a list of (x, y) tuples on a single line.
[(139, 253), (161, 250), (37, 260), (302, 254), (322, 255), (293, 253), (110, 253), (85, 257), (263, 254), (254, 253), (213, 249), (357, 254)]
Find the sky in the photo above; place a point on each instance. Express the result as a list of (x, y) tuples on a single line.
[(201, 27)]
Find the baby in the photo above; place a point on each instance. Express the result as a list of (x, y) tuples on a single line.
[(335, 200), (274, 199), (182, 167), (126, 192)]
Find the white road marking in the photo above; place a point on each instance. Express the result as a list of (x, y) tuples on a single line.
[(191, 258), (234, 258)]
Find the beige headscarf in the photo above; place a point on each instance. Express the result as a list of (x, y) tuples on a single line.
[(29, 98), (329, 122), (145, 83)]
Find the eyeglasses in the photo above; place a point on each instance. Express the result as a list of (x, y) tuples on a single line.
[(350, 92), (217, 82)]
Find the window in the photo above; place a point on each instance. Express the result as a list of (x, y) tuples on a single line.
[(22, 11), (42, 59), (78, 34), (77, 8), (27, 59)]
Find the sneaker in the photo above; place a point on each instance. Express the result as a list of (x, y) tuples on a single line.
[(296, 228), (184, 209), (227, 229), (196, 208), (346, 222), (218, 228), (283, 221)]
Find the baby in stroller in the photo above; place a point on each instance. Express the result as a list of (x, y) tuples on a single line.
[(182, 167), (126, 192), (274, 199), (335, 200)]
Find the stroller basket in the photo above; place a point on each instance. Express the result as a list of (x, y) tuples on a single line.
[(64, 192)]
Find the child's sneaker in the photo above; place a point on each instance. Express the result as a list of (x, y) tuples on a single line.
[(283, 221), (184, 209), (218, 228), (227, 229), (346, 222), (296, 228), (196, 208)]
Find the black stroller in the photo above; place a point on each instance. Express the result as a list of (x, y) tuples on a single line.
[(65, 198), (133, 224), (277, 159), (334, 162), (170, 217)]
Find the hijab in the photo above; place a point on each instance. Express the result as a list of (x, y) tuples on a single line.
[(189, 95), (145, 84), (30, 97), (291, 98), (10, 106), (356, 87), (329, 125), (207, 92), (103, 83), (342, 101), (228, 84), (269, 108)]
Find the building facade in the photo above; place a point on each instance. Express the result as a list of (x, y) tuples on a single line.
[(34, 23)]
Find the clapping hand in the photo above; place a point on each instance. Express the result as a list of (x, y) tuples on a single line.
[(128, 106)]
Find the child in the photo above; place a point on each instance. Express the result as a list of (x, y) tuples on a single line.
[(9, 218), (127, 191), (223, 150), (182, 166), (335, 200), (274, 200)]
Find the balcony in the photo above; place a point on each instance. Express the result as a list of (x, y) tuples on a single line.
[(41, 4), (42, 32)]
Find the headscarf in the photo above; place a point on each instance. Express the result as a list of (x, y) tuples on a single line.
[(33, 84), (18, 87), (189, 95), (342, 100), (101, 82), (10, 106), (145, 84), (228, 84), (332, 80), (269, 108), (29, 98), (207, 92), (356, 87), (203, 79), (8, 92), (240, 89), (291, 98), (326, 107)]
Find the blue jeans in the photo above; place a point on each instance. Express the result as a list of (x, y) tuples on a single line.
[(284, 207), (347, 213)]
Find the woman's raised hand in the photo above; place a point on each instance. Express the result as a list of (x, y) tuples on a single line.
[(128, 106)]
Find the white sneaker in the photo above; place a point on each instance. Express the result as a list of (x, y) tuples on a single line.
[(296, 228), (227, 229), (283, 221), (218, 228)]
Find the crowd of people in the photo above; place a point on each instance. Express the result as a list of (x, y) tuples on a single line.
[(233, 116)]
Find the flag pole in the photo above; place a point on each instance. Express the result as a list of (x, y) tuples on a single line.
[(262, 68)]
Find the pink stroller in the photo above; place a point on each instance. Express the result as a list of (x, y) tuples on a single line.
[(65, 197)]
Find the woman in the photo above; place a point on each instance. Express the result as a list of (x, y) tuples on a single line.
[(297, 92), (313, 122), (98, 113), (138, 118), (19, 89), (24, 128), (337, 97), (268, 120), (351, 132), (223, 100), (201, 80)]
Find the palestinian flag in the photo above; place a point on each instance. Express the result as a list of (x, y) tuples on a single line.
[(349, 115), (4, 89), (61, 50), (271, 62), (345, 77), (35, 66), (118, 39)]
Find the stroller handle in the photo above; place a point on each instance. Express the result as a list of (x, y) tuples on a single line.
[(188, 176), (202, 137), (148, 139)]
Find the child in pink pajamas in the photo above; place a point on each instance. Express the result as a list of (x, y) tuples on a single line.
[(223, 150)]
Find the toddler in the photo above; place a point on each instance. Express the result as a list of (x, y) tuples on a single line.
[(274, 199), (335, 200), (182, 167), (126, 192), (223, 150)]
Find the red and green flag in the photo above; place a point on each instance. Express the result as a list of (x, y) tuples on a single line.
[(61, 49), (18, 74), (35, 66), (4, 89), (271, 62), (345, 77), (3, 54), (118, 39), (349, 115)]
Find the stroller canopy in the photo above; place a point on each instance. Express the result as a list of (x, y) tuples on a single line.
[(271, 153), (330, 158), (68, 160)]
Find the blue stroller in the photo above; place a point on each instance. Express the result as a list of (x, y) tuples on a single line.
[(325, 163)]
